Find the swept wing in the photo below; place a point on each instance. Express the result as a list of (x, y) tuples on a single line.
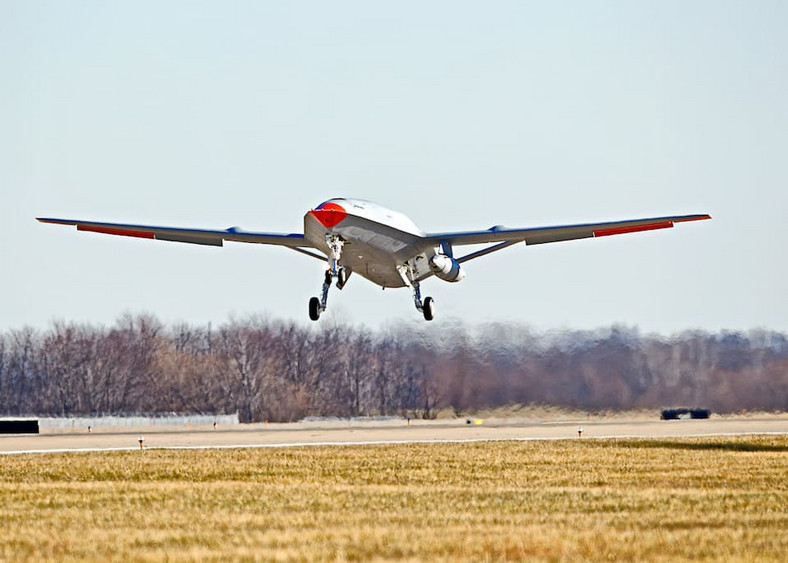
[(192, 236), (502, 237)]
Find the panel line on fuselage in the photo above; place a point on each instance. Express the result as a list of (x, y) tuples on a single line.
[(373, 247)]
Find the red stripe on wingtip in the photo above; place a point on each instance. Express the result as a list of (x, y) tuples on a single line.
[(54, 221), (694, 218), (121, 232), (635, 229)]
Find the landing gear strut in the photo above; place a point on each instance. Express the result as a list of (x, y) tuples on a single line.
[(426, 307), (317, 306)]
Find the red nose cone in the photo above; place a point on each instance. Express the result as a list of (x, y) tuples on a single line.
[(329, 214)]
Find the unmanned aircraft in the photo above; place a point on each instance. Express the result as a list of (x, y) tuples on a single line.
[(381, 245)]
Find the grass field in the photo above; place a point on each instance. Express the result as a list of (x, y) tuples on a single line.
[(713, 498)]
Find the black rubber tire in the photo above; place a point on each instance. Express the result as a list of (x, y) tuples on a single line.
[(428, 309), (314, 308), (341, 278)]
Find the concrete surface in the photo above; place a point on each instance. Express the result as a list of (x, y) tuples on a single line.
[(377, 432)]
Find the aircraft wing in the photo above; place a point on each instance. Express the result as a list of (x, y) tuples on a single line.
[(192, 236), (540, 235)]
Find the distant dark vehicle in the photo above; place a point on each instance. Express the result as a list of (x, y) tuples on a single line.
[(676, 414), (19, 426)]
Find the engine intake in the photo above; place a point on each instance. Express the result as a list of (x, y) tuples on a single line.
[(446, 268)]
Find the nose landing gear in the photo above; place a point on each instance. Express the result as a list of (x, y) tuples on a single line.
[(317, 306)]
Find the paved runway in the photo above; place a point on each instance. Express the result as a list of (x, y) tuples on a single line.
[(378, 432)]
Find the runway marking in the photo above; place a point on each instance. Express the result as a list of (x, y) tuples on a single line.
[(386, 442)]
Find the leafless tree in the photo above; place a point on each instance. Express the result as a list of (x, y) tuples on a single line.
[(271, 370)]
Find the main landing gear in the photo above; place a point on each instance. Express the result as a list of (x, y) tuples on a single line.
[(317, 306), (341, 273), (426, 307)]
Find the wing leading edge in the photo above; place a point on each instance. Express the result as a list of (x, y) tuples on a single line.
[(498, 237), (207, 237), (505, 237)]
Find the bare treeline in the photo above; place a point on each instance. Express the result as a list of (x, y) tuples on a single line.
[(271, 370)]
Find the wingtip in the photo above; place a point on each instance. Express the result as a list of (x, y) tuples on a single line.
[(699, 217), (54, 221)]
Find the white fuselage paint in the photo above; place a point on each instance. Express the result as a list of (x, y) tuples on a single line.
[(377, 240)]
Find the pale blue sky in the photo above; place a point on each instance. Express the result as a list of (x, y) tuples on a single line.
[(462, 115)]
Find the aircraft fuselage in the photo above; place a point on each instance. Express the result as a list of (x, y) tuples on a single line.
[(381, 245), (376, 239)]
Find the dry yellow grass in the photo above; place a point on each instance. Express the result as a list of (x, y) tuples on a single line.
[(713, 498)]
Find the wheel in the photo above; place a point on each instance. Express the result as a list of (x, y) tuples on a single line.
[(428, 308), (314, 308), (341, 278)]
